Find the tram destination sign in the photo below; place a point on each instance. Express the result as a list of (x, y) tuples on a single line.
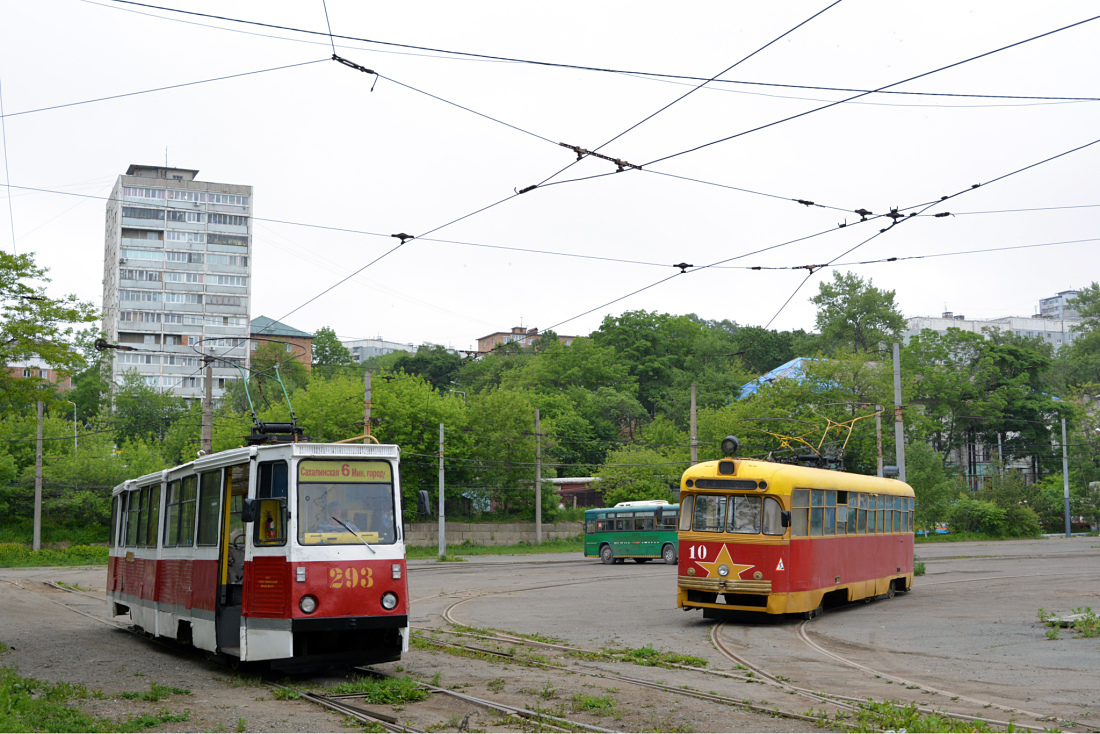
[(332, 472)]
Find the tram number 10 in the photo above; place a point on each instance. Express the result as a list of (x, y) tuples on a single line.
[(338, 578), (697, 553)]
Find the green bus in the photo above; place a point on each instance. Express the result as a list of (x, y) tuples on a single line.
[(638, 530)]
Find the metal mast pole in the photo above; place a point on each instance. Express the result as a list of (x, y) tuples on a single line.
[(878, 438), (37, 545), (694, 433), (206, 441), (366, 408), (538, 479), (899, 427), (1065, 473), (442, 520)]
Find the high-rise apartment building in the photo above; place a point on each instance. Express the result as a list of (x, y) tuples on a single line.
[(177, 277)]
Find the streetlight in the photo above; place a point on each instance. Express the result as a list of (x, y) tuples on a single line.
[(70, 402)]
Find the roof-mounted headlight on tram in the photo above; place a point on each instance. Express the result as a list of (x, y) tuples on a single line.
[(308, 604), (389, 600), (730, 444), (723, 570)]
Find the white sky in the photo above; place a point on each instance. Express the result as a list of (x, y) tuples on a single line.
[(320, 148)]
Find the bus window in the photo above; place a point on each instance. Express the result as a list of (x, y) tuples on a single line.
[(685, 512), (620, 524), (744, 515), (773, 520), (800, 508), (710, 513), (210, 504)]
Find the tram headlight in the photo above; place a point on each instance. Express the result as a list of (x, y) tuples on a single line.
[(723, 570), (389, 600), (308, 604)]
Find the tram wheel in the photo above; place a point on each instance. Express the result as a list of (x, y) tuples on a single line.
[(890, 591), (814, 612), (607, 555), (641, 560)]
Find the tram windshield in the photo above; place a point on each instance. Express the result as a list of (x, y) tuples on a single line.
[(345, 502)]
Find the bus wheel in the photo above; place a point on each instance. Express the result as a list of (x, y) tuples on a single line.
[(607, 555), (641, 560), (668, 555)]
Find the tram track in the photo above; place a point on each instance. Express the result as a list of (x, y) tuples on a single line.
[(848, 704)]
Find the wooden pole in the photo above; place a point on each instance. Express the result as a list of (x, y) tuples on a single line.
[(38, 483)]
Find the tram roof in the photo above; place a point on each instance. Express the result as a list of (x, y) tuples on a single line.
[(793, 476)]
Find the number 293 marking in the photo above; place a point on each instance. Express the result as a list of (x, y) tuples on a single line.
[(339, 578)]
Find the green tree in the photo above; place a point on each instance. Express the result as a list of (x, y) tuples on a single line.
[(635, 473), (328, 351), (854, 313), (434, 363), (35, 325), (142, 411)]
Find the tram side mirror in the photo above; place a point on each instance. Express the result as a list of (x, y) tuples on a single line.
[(250, 510), (422, 505), (785, 518)]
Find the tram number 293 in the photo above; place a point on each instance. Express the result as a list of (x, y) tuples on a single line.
[(339, 578)]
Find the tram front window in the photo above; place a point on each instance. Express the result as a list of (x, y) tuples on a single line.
[(353, 503)]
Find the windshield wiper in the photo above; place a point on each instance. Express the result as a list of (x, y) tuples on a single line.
[(357, 535)]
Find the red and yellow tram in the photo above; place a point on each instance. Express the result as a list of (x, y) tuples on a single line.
[(759, 536), (291, 554)]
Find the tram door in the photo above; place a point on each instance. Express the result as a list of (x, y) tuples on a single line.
[(231, 555)]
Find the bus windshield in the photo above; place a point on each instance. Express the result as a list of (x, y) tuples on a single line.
[(345, 502)]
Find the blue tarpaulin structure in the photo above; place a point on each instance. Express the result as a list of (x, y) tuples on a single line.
[(793, 370)]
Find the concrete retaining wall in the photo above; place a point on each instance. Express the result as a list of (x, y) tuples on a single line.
[(511, 533)]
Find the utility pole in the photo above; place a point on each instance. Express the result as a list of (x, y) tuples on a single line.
[(878, 438), (538, 479), (694, 434), (1065, 473), (366, 408), (70, 402), (206, 441), (442, 521), (38, 484), (899, 427)]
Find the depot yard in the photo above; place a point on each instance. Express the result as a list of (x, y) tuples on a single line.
[(566, 637)]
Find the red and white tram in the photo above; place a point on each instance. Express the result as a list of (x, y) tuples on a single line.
[(290, 554)]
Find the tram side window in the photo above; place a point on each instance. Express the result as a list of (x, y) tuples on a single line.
[(817, 510), (880, 507), (210, 503), (685, 512), (142, 536), (114, 521), (153, 519), (270, 526), (188, 495), (131, 502), (273, 480), (863, 502), (744, 515), (828, 523), (841, 513), (773, 517), (853, 513), (800, 508), (172, 514), (710, 513)]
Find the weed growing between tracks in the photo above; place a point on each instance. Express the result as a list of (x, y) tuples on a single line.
[(893, 716), (156, 692), (28, 704), (1087, 626), (395, 691)]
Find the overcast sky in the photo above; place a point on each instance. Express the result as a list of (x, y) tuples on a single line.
[(321, 148)]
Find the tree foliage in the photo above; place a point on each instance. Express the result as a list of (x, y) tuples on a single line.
[(854, 313)]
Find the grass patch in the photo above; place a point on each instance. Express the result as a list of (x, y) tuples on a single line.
[(892, 716), (382, 690), (156, 692), (595, 704), (573, 545), (286, 694), (646, 655), (962, 537), (918, 568), (28, 704), (17, 555), (450, 558)]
